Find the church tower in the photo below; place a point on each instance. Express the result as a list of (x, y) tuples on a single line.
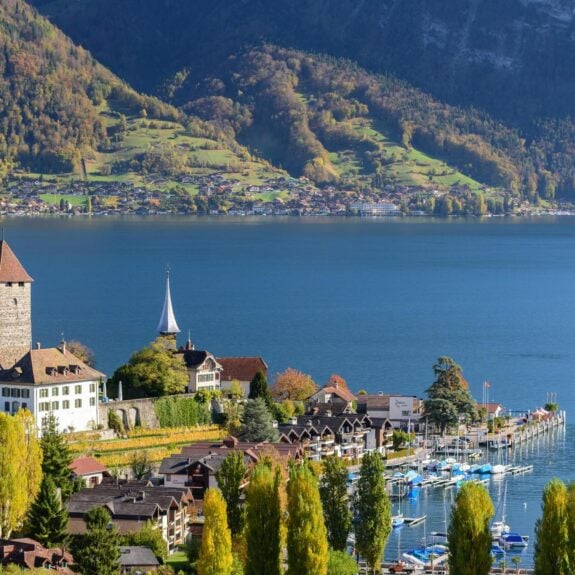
[(168, 327), (15, 308)]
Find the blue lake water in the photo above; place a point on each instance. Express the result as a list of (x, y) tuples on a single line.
[(375, 301)]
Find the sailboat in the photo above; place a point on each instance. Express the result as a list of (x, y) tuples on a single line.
[(498, 528)]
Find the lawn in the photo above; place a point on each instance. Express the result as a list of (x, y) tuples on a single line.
[(54, 199), (178, 561)]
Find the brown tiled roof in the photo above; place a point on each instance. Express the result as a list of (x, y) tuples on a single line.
[(241, 368), (50, 365), (87, 466), (11, 270)]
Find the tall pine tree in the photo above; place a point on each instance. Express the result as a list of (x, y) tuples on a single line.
[(57, 457), (335, 502), (259, 388), (216, 550), (257, 422), (307, 537), (47, 520), (99, 552), (469, 537), (263, 531), (230, 477), (373, 511)]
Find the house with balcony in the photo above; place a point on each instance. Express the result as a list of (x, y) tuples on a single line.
[(402, 411), (347, 436), (195, 467), (132, 504), (333, 397)]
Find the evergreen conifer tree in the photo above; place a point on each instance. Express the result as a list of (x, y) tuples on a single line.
[(263, 522), (56, 456), (230, 477), (469, 537), (259, 388), (257, 422), (373, 511), (552, 545), (307, 537), (99, 552), (335, 502), (216, 550), (47, 520)]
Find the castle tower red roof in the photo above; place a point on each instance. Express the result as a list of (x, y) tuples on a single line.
[(11, 270)]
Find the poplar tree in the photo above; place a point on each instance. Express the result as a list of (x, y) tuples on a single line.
[(551, 554), (230, 477), (216, 549), (373, 511), (20, 469), (468, 535), (47, 520), (335, 502), (99, 552), (56, 456), (307, 536), (263, 531)]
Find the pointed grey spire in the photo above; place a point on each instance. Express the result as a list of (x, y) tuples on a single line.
[(168, 324)]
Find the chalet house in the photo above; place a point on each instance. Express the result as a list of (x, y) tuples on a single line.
[(196, 466), (402, 411), (133, 504), (320, 436), (241, 369), (29, 554), (137, 560), (339, 398), (90, 470), (203, 368)]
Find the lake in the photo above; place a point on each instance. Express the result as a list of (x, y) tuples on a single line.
[(376, 301)]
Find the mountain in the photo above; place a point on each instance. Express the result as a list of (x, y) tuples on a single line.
[(511, 58), (363, 93)]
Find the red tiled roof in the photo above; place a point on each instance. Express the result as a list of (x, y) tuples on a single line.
[(345, 394), (491, 407), (241, 368), (87, 466), (11, 270)]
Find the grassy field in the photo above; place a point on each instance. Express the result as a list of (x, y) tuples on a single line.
[(408, 167), (54, 199)]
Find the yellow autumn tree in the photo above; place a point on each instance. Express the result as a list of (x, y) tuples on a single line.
[(20, 469), (216, 550)]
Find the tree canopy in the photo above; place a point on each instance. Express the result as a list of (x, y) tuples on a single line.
[(56, 456), (449, 398), (257, 423), (151, 372), (293, 384), (230, 477)]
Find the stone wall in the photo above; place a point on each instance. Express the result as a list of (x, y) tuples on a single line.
[(15, 322), (134, 412)]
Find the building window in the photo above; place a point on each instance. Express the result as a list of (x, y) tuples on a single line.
[(15, 406), (92, 388), (7, 406), (92, 401), (43, 406), (20, 284), (15, 392), (24, 405), (205, 377), (44, 392), (78, 389), (66, 390), (8, 284), (65, 404), (55, 391), (26, 393), (78, 403), (5, 392), (55, 405)]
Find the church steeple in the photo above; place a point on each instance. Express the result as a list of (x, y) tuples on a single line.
[(168, 325)]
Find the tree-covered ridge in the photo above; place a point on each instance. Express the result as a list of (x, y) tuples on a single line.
[(299, 109), (50, 91)]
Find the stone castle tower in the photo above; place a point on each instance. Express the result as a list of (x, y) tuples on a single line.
[(15, 308)]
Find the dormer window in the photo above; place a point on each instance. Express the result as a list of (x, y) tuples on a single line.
[(63, 369), (75, 369), (52, 371)]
